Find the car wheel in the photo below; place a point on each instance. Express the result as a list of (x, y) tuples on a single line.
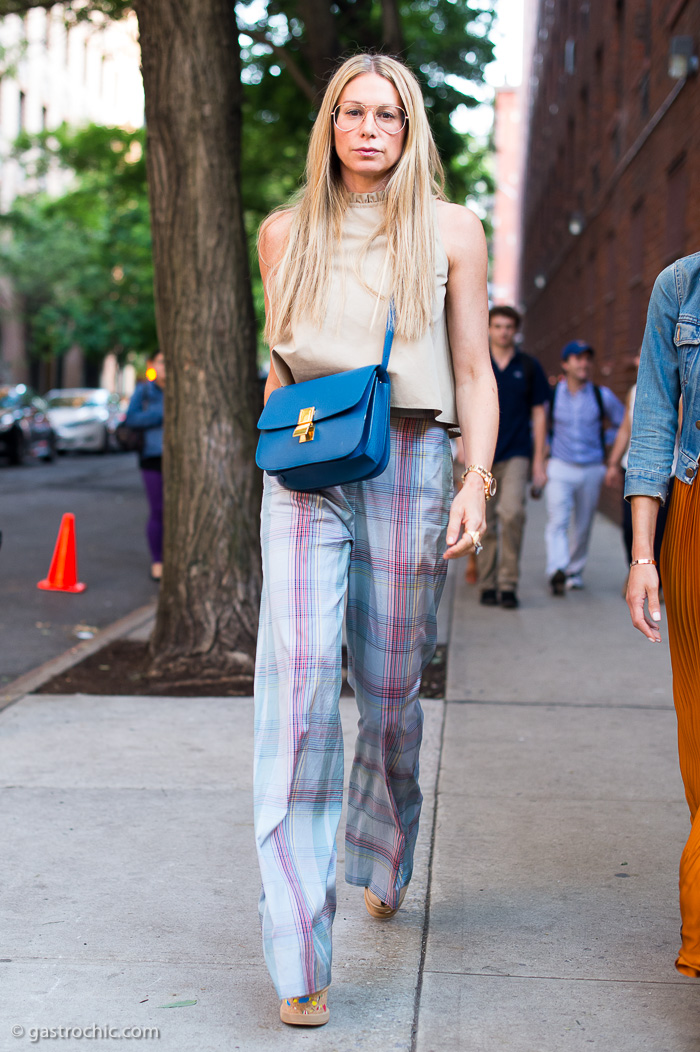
[(51, 455), (17, 449), (104, 448)]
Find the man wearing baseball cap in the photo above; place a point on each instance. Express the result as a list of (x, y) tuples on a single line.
[(584, 419)]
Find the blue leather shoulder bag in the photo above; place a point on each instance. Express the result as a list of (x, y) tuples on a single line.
[(331, 430)]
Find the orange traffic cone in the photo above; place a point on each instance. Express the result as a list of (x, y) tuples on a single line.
[(63, 572)]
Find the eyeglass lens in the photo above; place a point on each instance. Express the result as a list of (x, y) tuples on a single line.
[(349, 115)]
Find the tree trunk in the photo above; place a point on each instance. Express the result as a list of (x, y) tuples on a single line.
[(208, 608), (392, 31), (322, 47)]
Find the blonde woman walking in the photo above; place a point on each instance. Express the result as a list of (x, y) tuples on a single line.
[(370, 223)]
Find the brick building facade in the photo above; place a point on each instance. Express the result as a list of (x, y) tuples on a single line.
[(507, 134), (611, 175)]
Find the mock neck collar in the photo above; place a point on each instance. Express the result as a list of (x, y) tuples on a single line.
[(378, 197)]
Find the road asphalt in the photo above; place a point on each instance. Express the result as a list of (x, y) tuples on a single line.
[(106, 496), (543, 913)]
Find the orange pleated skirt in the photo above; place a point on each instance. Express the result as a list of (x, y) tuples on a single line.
[(680, 562)]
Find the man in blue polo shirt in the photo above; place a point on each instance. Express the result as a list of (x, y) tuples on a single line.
[(523, 393), (585, 419)]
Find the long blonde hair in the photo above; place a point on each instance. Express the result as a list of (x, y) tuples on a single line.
[(299, 283)]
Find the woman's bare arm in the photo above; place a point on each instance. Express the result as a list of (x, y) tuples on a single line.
[(643, 581), (475, 385), (622, 440), (272, 243)]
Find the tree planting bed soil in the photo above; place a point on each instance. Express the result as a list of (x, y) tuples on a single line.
[(121, 668)]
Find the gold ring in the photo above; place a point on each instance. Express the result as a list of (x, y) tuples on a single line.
[(476, 541)]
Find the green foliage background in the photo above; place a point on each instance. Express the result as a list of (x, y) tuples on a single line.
[(81, 262)]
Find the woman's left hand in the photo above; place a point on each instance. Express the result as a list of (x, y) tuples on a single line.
[(467, 517)]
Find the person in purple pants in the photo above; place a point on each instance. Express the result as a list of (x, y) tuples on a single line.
[(145, 413)]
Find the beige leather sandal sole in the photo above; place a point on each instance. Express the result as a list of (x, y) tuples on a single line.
[(311, 1010), (378, 909)]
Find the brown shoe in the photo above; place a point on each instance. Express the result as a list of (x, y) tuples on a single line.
[(308, 1010), (378, 909)]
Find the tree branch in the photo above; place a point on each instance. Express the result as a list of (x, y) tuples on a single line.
[(291, 65), (111, 8)]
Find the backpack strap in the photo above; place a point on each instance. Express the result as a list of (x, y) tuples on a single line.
[(601, 409)]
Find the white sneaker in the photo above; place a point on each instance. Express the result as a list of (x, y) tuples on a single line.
[(574, 580)]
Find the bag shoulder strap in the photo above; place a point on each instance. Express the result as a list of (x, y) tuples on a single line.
[(389, 333)]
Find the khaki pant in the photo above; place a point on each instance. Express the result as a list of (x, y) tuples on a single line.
[(505, 518)]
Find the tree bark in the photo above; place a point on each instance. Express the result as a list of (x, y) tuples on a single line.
[(392, 31), (208, 607), (322, 46)]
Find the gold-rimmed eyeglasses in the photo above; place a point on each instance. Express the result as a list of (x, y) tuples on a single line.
[(348, 116)]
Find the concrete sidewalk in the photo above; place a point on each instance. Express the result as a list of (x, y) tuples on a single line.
[(553, 920), (543, 911)]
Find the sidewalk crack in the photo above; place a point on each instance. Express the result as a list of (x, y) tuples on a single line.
[(429, 883)]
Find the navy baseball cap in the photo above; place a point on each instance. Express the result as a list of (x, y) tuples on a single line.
[(576, 347)]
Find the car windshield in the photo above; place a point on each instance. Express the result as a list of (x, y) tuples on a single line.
[(76, 400)]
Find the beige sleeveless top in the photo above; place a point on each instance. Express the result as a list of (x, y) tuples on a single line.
[(352, 334)]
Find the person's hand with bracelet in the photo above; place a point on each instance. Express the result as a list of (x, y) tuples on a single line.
[(643, 583), (468, 512)]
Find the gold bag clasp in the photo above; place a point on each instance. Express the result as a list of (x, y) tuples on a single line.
[(304, 430)]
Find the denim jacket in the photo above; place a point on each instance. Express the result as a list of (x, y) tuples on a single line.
[(145, 413), (669, 368)]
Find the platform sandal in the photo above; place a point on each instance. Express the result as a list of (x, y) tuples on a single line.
[(378, 909), (309, 1010)]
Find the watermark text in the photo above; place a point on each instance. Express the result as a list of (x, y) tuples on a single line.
[(92, 1032)]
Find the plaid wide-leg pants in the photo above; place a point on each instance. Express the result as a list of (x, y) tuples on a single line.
[(381, 541)]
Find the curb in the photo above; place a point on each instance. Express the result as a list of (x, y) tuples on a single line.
[(29, 682)]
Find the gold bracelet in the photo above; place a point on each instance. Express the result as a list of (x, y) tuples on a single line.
[(643, 562), (488, 479)]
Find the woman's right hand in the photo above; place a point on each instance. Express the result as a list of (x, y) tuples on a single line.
[(643, 584)]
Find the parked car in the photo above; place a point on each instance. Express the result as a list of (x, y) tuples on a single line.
[(84, 418), (118, 418), (25, 428)]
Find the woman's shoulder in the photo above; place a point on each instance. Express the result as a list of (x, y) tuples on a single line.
[(449, 212), (274, 234), (461, 231)]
